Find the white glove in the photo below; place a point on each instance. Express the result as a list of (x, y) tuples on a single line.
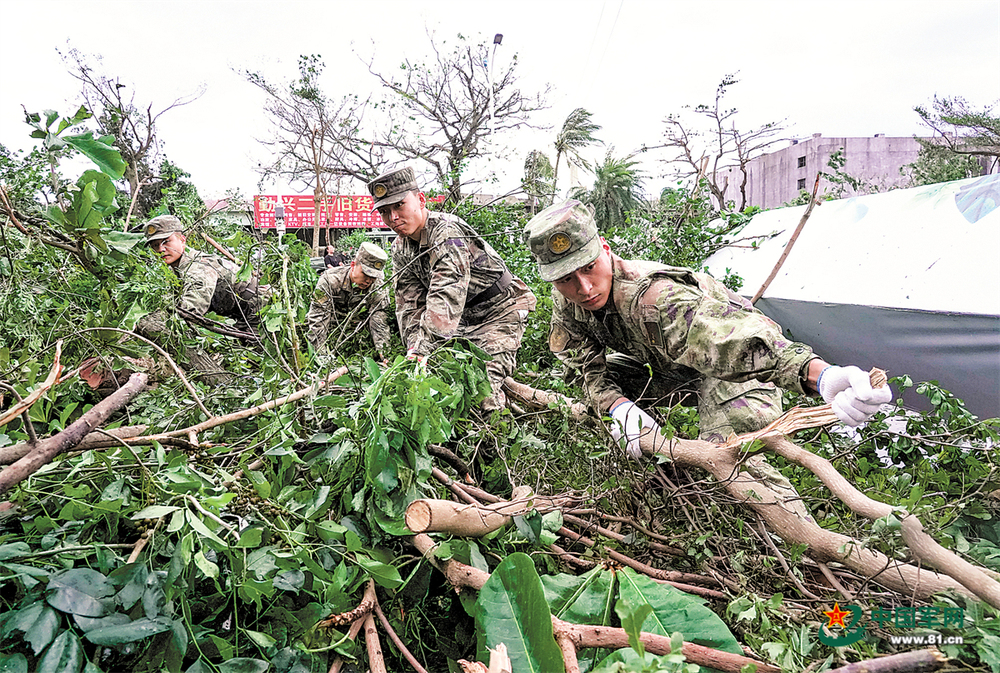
[(412, 355), (849, 392), (631, 422)]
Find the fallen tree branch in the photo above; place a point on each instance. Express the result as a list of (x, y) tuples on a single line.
[(51, 380), (917, 661), (462, 576), (723, 463), (48, 449), (544, 399), (98, 439)]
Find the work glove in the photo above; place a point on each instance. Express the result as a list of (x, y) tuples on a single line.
[(849, 392), (412, 355), (631, 422)]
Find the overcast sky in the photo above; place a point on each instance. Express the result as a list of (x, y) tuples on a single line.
[(840, 68)]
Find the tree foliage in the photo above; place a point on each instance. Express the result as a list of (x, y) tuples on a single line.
[(117, 114), (706, 143), (617, 190), (577, 133), (961, 129)]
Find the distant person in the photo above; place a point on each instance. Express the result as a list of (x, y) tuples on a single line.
[(208, 282), (673, 334), (346, 296), (334, 257), (450, 282)]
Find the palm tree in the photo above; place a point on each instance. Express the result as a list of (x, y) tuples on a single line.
[(537, 180), (577, 132), (617, 191)]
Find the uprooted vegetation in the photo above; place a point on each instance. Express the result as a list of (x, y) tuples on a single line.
[(154, 522)]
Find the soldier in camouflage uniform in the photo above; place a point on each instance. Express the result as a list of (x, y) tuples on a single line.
[(208, 282), (450, 282), (699, 340), (343, 293)]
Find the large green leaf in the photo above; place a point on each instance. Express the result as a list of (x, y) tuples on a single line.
[(128, 633), (39, 623), (80, 591), (107, 158), (244, 665), (65, 655), (13, 663), (581, 599), (384, 575), (14, 550), (674, 610), (512, 610)]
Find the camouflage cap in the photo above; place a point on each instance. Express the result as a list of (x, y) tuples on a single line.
[(372, 260), (392, 187), (562, 238), (161, 227)]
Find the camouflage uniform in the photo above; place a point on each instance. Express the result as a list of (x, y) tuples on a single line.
[(439, 282), (338, 301), (698, 339), (452, 283), (208, 283)]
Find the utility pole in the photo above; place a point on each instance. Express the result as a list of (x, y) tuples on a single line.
[(497, 39)]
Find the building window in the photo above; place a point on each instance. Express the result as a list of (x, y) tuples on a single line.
[(801, 184), (802, 162)]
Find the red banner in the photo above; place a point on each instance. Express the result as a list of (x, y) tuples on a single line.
[(338, 212)]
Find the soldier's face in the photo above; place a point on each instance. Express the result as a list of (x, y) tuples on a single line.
[(359, 278), (589, 287), (408, 217), (170, 248)]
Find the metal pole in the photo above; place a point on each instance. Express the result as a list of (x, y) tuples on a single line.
[(497, 39)]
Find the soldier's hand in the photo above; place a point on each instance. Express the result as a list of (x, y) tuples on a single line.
[(631, 422), (849, 392), (412, 355)]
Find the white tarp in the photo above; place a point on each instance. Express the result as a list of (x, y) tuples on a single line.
[(908, 280)]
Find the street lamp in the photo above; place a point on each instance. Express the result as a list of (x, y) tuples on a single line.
[(279, 220), (497, 39)]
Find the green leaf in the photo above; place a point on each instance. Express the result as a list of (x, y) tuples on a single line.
[(244, 665), (261, 639), (210, 569), (13, 663), (384, 575), (512, 610), (199, 527), (14, 550), (39, 623), (581, 599), (632, 618), (90, 623), (674, 610), (290, 580), (128, 633), (79, 591), (107, 158), (250, 537), (65, 655), (122, 241), (154, 512)]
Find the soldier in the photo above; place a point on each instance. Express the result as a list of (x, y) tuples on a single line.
[(450, 282), (207, 281), (341, 294), (702, 343)]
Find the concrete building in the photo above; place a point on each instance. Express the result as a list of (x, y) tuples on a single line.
[(777, 178)]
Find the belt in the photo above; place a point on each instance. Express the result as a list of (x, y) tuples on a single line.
[(501, 284)]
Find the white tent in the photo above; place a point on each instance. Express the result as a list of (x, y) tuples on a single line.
[(908, 281)]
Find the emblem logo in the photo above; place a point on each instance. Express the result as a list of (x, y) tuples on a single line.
[(150, 230), (559, 243), (380, 190), (377, 265)]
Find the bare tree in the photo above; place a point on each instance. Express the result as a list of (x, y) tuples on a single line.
[(441, 111), (312, 136), (715, 148), (117, 114)]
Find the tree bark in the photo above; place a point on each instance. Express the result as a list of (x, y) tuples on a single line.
[(49, 448), (917, 661), (95, 440)]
